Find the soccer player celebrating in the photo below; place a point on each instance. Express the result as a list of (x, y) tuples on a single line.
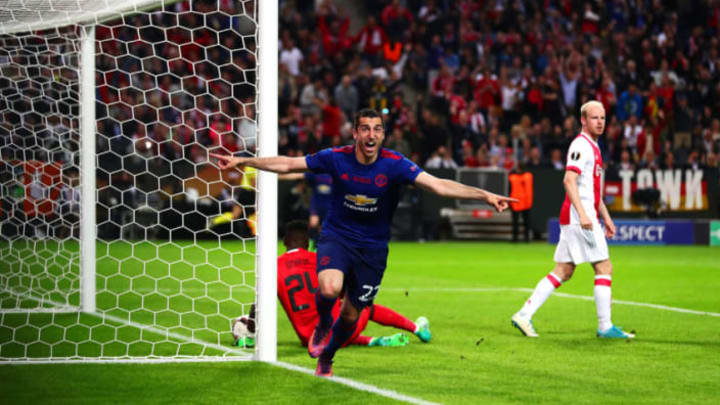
[(353, 245), (581, 236), (297, 285)]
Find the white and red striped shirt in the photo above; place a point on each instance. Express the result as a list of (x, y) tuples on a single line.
[(584, 158)]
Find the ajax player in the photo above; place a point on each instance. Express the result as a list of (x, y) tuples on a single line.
[(581, 237)]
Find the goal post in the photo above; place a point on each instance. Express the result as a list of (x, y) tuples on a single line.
[(88, 178), (112, 243), (267, 182)]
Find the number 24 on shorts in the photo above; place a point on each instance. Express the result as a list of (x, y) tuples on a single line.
[(370, 294)]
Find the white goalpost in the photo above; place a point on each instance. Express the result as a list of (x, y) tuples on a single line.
[(119, 239), (267, 182)]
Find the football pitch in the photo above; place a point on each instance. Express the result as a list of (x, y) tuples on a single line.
[(668, 295)]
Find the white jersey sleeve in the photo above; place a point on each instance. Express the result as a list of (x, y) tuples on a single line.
[(580, 157)]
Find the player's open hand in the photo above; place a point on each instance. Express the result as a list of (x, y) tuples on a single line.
[(501, 203), (225, 161)]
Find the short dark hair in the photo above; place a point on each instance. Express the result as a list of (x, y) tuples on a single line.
[(366, 113), (296, 234)]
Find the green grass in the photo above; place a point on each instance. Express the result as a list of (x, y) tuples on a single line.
[(475, 355), (169, 285)]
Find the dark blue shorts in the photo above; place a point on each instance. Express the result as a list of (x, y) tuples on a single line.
[(363, 268)]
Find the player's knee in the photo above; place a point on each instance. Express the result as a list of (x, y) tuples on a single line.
[(564, 272), (330, 283), (604, 268), (328, 290)]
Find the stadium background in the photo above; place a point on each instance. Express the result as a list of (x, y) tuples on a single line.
[(471, 84), (462, 84)]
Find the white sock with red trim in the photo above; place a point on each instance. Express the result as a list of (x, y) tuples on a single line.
[(603, 301), (543, 290)]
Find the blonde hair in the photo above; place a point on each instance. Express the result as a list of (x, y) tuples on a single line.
[(592, 103)]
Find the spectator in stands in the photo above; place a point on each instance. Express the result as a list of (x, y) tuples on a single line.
[(711, 163), (398, 143), (631, 131), (534, 161), (335, 38), (709, 144), (291, 57), (441, 159), (396, 19), (630, 104), (482, 156), (347, 97), (626, 162), (487, 91), (469, 158), (657, 65), (370, 40), (556, 160), (684, 118)]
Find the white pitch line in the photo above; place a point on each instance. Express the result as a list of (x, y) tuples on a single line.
[(358, 385), (167, 333), (559, 294)]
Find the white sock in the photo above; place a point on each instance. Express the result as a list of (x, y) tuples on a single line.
[(544, 288), (603, 300)]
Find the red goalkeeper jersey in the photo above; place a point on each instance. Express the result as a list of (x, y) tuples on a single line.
[(297, 284)]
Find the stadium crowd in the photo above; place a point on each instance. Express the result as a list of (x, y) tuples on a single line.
[(471, 83), (494, 83), (460, 83)]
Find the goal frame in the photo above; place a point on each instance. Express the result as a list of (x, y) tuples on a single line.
[(267, 106)]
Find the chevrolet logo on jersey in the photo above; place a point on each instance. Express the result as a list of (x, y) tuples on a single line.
[(360, 199)]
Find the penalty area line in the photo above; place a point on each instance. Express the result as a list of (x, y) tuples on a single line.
[(358, 385), (559, 294)]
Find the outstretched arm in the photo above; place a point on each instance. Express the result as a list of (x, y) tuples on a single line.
[(291, 176), (275, 164), (453, 189)]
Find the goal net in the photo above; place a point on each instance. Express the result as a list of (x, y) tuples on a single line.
[(119, 238)]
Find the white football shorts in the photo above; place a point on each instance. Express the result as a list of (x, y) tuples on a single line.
[(578, 245)]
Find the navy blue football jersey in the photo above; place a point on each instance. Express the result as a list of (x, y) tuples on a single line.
[(364, 197)]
